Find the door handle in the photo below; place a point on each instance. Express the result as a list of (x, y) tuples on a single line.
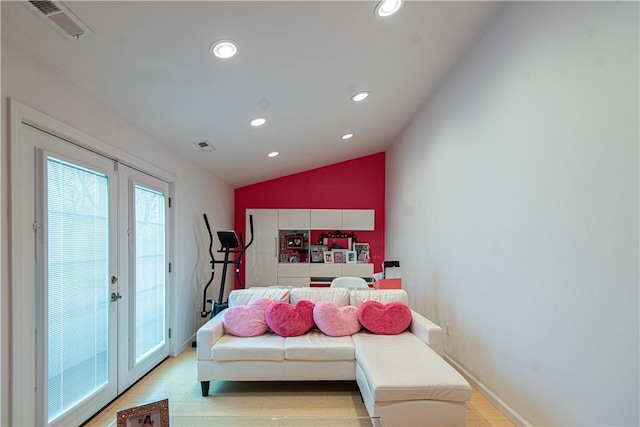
[(115, 296)]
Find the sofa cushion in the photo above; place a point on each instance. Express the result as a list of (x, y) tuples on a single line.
[(290, 320), (340, 296), (265, 347), (315, 345), (384, 319), (383, 296), (402, 367), (247, 320), (336, 321), (246, 296)]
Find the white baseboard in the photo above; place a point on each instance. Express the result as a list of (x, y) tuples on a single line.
[(182, 347), (508, 412)]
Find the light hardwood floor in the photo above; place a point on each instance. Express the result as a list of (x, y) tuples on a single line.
[(175, 379)]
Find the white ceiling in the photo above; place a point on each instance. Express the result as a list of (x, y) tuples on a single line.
[(298, 65)]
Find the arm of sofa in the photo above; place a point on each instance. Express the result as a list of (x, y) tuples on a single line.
[(207, 335), (427, 331)]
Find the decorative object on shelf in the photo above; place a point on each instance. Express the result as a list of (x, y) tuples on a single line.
[(339, 256), (351, 257), (362, 252), (328, 257), (295, 241), (317, 252), (155, 414), (334, 243), (337, 240), (290, 256)]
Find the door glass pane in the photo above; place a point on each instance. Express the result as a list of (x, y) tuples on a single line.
[(150, 265), (77, 285)]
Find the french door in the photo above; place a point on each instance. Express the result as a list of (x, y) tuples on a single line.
[(142, 321), (101, 278), (75, 260)]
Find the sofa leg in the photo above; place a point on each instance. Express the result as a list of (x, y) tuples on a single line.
[(205, 388)]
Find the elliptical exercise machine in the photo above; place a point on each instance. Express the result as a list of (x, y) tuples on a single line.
[(230, 243)]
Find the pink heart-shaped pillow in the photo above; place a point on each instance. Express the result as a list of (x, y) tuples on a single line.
[(289, 320), (384, 319), (336, 321), (247, 320)]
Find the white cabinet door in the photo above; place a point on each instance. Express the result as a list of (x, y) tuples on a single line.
[(357, 270), (325, 270), (293, 219), (326, 219), (347, 219), (358, 219), (293, 274), (261, 259), (294, 269)]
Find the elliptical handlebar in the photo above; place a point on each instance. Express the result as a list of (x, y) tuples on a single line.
[(244, 248), (242, 251), (206, 221), (251, 230), (204, 313)]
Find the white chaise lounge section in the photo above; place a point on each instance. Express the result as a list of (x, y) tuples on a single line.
[(407, 383)]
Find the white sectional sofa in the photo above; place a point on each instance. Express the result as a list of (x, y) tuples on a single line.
[(402, 378)]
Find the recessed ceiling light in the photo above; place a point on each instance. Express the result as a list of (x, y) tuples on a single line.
[(273, 154), (360, 96), (387, 8), (224, 48), (347, 136), (258, 121)]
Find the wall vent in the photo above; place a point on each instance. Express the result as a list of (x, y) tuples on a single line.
[(205, 146), (60, 18)]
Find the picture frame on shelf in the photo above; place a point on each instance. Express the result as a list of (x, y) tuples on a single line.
[(328, 257), (317, 252), (363, 252), (339, 256), (155, 414), (295, 241), (351, 257)]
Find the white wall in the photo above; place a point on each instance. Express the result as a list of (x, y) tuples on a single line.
[(196, 192), (4, 410), (517, 185)]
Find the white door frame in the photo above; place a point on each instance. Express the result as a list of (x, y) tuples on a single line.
[(22, 217)]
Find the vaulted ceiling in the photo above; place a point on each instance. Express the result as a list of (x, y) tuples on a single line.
[(298, 64)]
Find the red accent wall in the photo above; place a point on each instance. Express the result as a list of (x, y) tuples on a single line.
[(354, 184)]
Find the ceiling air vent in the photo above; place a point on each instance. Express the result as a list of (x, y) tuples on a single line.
[(60, 18), (205, 146)]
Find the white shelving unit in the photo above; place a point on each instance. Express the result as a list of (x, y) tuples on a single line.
[(262, 259)]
